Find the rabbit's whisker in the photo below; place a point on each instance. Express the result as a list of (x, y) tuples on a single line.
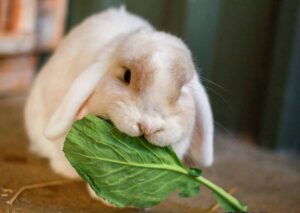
[(214, 83), (221, 97)]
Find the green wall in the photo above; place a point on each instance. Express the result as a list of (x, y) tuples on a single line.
[(245, 50)]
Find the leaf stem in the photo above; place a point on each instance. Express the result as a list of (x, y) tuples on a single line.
[(219, 191)]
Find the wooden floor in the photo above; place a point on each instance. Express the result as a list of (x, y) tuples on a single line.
[(267, 182)]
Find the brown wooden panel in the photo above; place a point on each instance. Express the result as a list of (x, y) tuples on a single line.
[(16, 74), (4, 4), (50, 23)]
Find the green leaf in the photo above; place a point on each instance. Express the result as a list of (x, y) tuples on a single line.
[(228, 207), (194, 172), (123, 170), (128, 171), (190, 192)]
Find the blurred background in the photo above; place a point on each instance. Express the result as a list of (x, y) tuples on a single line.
[(248, 53), (248, 56)]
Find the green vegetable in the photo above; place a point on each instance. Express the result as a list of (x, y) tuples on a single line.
[(128, 171)]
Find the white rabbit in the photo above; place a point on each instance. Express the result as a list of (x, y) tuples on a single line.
[(115, 65)]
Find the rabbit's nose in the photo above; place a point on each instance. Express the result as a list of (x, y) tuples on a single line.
[(147, 129)]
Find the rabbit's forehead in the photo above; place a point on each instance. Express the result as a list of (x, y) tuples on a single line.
[(150, 65), (166, 86), (159, 75), (171, 70)]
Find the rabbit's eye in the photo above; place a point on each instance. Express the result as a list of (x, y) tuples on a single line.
[(127, 76)]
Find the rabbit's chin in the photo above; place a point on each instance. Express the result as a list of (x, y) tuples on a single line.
[(161, 138), (177, 139), (165, 137)]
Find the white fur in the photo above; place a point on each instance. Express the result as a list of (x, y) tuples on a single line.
[(64, 116), (80, 76), (204, 114)]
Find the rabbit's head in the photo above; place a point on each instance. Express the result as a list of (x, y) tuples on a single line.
[(145, 83)]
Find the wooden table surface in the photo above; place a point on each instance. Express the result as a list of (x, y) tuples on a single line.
[(267, 182)]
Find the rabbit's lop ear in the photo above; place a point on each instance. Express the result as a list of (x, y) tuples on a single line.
[(202, 141), (79, 91)]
